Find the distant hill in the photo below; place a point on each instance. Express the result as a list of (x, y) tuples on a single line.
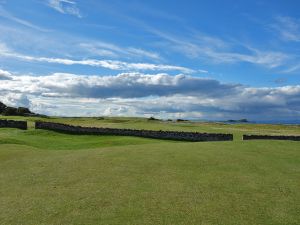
[(12, 111)]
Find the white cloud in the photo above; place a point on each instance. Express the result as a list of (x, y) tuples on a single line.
[(108, 64), (161, 95), (269, 59), (16, 100), (106, 50), (291, 69), (198, 45), (53, 43), (65, 7), (216, 50), (5, 75), (205, 48), (99, 48), (143, 53), (7, 15), (288, 28)]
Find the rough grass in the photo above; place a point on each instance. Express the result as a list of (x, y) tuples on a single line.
[(52, 178)]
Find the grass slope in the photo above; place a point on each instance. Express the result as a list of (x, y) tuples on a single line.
[(52, 178)]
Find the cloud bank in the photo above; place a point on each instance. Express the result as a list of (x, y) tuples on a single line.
[(138, 94)]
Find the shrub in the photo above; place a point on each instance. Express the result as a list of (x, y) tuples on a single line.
[(2, 107), (152, 118), (10, 111), (181, 120), (22, 111)]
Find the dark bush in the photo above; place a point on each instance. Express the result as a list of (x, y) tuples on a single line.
[(22, 111), (181, 120), (10, 111), (152, 118), (2, 107)]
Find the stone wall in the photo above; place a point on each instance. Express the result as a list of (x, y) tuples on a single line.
[(169, 135), (13, 124), (269, 137)]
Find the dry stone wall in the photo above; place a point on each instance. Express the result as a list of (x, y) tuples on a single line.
[(169, 135), (13, 124), (269, 137)]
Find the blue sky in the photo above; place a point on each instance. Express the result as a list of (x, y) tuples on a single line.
[(192, 59)]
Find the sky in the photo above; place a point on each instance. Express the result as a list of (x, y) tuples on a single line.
[(206, 60)]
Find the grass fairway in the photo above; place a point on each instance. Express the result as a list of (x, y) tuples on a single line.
[(52, 178)]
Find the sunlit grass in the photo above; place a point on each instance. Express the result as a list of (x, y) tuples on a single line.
[(52, 178)]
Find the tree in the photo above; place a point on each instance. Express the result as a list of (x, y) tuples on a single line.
[(22, 111), (10, 111), (2, 107)]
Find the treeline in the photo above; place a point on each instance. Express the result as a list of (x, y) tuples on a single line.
[(12, 111)]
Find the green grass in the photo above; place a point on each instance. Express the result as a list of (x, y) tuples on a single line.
[(53, 178)]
